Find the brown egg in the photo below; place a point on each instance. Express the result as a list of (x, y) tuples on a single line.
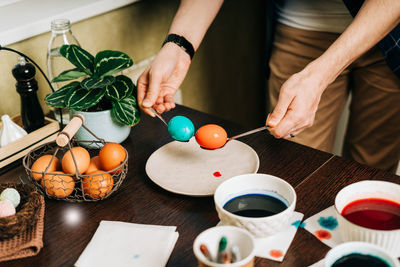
[(41, 164), (94, 165), (111, 156), (98, 184), (82, 159), (58, 185)]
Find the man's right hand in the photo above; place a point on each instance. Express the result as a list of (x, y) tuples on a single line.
[(158, 84)]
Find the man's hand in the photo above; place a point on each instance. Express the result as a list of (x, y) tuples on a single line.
[(158, 84), (297, 104)]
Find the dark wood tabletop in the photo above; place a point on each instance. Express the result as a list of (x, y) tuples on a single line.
[(316, 176)]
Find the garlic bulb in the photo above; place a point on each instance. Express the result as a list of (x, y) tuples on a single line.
[(10, 131)]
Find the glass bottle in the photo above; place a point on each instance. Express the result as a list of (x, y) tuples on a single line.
[(60, 34)]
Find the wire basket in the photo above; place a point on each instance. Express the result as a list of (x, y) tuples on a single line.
[(76, 187)]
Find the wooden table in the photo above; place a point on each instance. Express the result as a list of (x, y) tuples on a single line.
[(316, 176)]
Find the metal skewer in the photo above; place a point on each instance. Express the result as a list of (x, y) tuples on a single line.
[(158, 116), (248, 133)]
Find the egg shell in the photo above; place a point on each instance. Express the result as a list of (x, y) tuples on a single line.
[(181, 128), (58, 184), (12, 195), (111, 156), (94, 164), (98, 184), (41, 164), (6, 208), (82, 159), (211, 136)]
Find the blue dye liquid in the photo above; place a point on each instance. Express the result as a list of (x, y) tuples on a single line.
[(359, 260), (255, 205)]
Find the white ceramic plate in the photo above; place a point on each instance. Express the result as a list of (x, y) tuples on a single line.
[(185, 168)]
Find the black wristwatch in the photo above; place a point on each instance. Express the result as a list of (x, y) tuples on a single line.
[(180, 41)]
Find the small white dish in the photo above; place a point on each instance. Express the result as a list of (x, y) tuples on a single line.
[(388, 239), (185, 168), (362, 248), (256, 183)]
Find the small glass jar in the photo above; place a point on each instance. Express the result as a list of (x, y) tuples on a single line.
[(60, 34)]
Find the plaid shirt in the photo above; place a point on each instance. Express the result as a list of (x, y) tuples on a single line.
[(390, 44)]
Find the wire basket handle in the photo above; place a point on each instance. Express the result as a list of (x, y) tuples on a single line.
[(70, 130)]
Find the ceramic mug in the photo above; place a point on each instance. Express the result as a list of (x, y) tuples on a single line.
[(235, 237)]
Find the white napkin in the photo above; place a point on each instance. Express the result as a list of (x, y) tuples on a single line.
[(275, 247), (129, 244), (320, 263), (324, 226)]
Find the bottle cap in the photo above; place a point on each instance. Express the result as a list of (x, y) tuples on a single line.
[(60, 25)]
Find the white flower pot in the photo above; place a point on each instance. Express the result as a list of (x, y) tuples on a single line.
[(102, 124)]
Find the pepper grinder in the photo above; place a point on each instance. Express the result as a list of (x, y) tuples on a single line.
[(31, 111)]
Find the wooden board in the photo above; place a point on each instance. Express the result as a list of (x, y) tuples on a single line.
[(22, 146)]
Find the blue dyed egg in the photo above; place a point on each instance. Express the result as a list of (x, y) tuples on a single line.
[(181, 128)]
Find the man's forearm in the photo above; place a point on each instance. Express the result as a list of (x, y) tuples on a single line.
[(375, 19), (193, 19)]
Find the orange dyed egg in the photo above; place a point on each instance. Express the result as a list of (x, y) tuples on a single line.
[(58, 185), (211, 136), (98, 184), (82, 159), (111, 156), (41, 164), (94, 165)]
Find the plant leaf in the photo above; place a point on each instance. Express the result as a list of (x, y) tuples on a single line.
[(126, 111), (81, 98), (79, 57), (108, 62), (93, 82), (121, 88), (69, 75), (57, 98)]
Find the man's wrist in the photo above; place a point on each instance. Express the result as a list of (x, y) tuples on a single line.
[(181, 42), (323, 71)]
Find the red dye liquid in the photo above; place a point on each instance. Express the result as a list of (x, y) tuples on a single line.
[(217, 174), (373, 213)]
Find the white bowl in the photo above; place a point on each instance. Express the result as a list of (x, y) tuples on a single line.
[(388, 239), (257, 184), (235, 236), (363, 248)]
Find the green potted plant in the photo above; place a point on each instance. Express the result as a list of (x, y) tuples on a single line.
[(107, 102)]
